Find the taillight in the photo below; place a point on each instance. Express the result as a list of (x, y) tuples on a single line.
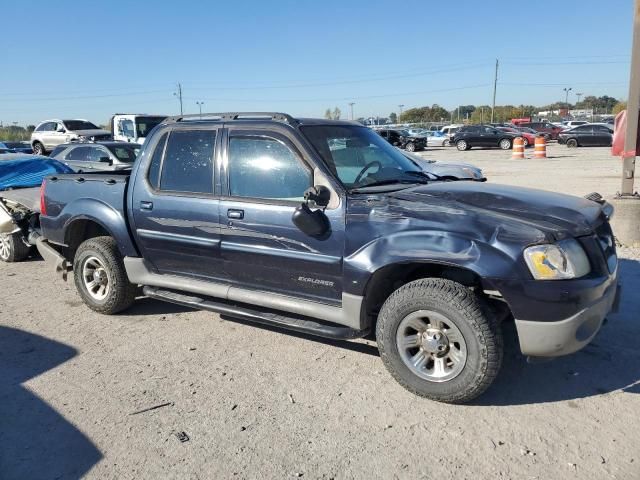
[(43, 205)]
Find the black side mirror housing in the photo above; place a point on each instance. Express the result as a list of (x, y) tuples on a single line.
[(319, 195), (311, 222), (106, 160)]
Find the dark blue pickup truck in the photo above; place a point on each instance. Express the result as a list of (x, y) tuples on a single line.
[(322, 227)]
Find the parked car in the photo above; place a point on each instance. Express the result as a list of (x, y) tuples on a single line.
[(528, 138), (589, 135), (403, 139), (15, 147), (51, 133), (450, 130), (544, 127), (547, 136), (20, 178), (337, 234), (448, 171), (106, 156), (437, 139), (471, 136)]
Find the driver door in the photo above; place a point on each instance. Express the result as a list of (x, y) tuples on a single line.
[(264, 177)]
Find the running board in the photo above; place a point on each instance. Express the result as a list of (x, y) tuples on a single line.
[(296, 324)]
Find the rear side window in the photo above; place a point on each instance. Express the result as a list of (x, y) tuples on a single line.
[(154, 168), (79, 153), (262, 167), (188, 162)]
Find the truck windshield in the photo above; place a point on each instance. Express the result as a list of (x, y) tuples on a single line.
[(145, 124), (359, 157)]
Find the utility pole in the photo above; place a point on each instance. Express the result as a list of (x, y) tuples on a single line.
[(200, 107), (566, 98), (495, 86), (633, 107), (178, 94), (400, 106), (351, 104)]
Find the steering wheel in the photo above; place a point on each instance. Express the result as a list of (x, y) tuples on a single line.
[(364, 170)]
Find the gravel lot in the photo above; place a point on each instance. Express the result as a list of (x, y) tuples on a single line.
[(258, 403)]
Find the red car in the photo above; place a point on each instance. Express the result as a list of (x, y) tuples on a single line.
[(529, 138)]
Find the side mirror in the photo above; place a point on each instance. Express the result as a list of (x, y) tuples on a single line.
[(106, 160), (310, 222), (60, 129)]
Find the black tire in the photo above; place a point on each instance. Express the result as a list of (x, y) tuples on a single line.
[(119, 292), (525, 142), (462, 308), (572, 143), (462, 145), (13, 248), (410, 147), (446, 143), (38, 148)]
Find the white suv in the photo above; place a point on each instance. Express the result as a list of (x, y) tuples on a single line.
[(51, 133)]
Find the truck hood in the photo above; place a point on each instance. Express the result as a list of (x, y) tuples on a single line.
[(533, 213)]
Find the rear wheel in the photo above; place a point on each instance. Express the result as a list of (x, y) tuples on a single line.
[(13, 248), (505, 144), (38, 148), (438, 341), (100, 276), (462, 145), (572, 143), (410, 147)]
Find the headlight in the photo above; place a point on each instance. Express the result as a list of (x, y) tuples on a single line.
[(563, 260)]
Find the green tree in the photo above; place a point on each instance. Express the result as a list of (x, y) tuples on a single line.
[(336, 113), (618, 107), (393, 118), (327, 114)]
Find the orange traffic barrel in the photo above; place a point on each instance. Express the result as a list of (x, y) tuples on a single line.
[(518, 148), (540, 149)]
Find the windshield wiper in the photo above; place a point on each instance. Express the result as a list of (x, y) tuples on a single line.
[(381, 183), (421, 174)]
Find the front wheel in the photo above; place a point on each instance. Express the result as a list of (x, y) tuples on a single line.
[(100, 276), (438, 342), (410, 147), (38, 148), (505, 144)]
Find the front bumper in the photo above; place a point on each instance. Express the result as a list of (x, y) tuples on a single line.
[(562, 337)]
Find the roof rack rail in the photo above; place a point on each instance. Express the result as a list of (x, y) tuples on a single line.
[(230, 116)]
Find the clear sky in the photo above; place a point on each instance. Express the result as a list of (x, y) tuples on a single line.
[(91, 59)]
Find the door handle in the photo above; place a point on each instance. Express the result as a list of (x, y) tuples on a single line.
[(146, 205), (235, 214)]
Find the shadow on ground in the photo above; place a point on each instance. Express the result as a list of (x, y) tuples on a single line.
[(36, 442), (611, 363)]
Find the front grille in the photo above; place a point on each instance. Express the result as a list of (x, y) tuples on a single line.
[(608, 245)]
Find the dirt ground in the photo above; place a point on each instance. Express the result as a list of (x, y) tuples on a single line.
[(257, 403)]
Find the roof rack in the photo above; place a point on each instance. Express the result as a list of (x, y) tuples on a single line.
[(230, 116)]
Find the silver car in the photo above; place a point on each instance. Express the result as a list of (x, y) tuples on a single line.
[(102, 156), (448, 171), (51, 133)]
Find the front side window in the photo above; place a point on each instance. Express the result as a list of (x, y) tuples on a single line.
[(96, 154), (144, 125), (188, 162), (125, 128), (125, 153), (262, 167)]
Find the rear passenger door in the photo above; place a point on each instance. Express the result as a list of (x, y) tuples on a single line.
[(264, 178), (602, 135), (585, 135), (175, 204), (78, 158)]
